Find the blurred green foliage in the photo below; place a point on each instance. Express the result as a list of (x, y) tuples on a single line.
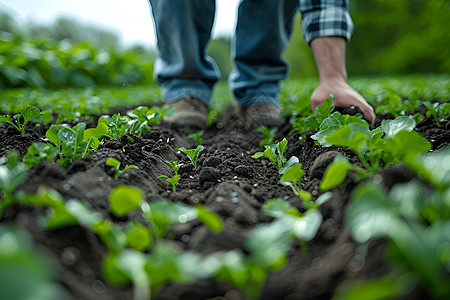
[(390, 38), (67, 54), (399, 37)]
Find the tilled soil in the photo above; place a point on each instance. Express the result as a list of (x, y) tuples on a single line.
[(226, 172)]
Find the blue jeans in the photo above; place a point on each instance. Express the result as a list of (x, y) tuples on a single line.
[(183, 30)]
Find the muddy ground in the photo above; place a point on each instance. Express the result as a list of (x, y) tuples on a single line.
[(226, 170)]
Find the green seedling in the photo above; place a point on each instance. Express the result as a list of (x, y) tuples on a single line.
[(26, 263), (20, 120), (173, 181), (175, 166), (275, 153), (197, 137), (440, 112), (267, 134), (112, 162), (312, 122), (39, 152), (71, 143), (416, 243), (193, 154), (117, 125), (150, 116), (12, 174), (292, 178)]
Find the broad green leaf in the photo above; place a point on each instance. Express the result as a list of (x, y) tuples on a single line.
[(387, 287), (293, 174), (323, 111), (434, 167), (99, 132), (292, 162), (336, 172), (353, 136), (113, 238), (38, 152), (279, 208), (52, 135), (392, 127), (112, 162), (59, 217), (405, 146), (209, 218), (83, 213), (193, 154), (7, 119), (112, 272), (371, 214), (307, 226), (12, 174), (138, 237), (311, 123), (174, 212), (29, 113), (258, 155), (268, 243), (124, 199), (23, 265), (281, 146)]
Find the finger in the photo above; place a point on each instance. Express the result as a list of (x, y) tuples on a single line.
[(369, 114)]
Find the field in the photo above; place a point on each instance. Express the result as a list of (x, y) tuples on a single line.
[(323, 207)]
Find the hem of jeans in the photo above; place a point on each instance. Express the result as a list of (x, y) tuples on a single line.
[(172, 96)]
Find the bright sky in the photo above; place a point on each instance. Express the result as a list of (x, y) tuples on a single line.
[(131, 19)]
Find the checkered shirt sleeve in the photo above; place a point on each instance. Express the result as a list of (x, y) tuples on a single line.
[(325, 18)]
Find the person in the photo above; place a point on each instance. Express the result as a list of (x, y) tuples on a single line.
[(187, 75)]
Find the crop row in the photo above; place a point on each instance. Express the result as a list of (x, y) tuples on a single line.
[(413, 216)]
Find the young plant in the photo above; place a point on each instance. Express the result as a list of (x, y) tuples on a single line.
[(193, 154), (197, 137), (393, 142), (312, 122), (440, 112), (414, 222), (173, 181), (275, 153), (117, 125), (12, 174), (267, 135), (72, 143), (150, 116), (112, 162), (39, 152), (20, 120), (292, 178), (175, 166)]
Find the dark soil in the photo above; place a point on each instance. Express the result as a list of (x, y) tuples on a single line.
[(226, 171)]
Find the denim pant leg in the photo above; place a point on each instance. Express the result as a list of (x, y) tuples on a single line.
[(262, 33), (183, 29)]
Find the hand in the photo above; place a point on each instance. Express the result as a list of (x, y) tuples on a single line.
[(343, 96)]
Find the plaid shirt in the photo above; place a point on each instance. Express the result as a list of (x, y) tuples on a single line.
[(325, 18)]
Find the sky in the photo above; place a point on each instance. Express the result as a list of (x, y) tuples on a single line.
[(131, 19)]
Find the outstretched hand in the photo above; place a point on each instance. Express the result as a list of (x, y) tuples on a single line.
[(343, 96)]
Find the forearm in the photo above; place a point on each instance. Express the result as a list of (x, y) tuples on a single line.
[(329, 54)]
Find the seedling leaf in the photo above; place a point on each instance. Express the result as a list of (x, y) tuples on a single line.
[(124, 199), (209, 218)]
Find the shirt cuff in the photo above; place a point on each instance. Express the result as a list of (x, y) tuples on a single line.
[(326, 18)]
